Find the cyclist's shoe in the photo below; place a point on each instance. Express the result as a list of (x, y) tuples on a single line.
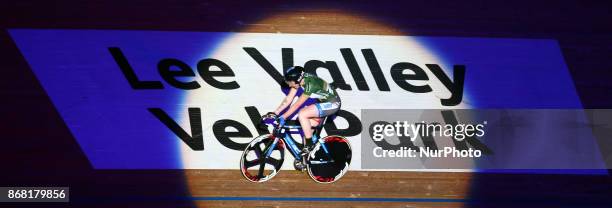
[(308, 146), (306, 150), (299, 165)]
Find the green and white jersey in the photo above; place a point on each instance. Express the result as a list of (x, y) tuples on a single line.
[(318, 88)]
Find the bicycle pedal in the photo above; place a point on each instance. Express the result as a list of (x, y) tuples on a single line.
[(298, 165)]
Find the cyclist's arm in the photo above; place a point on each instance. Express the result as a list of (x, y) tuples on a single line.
[(287, 101), (296, 105)]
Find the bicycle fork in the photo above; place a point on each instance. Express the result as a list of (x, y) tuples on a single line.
[(270, 148)]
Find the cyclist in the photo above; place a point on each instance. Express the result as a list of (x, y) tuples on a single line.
[(314, 87)]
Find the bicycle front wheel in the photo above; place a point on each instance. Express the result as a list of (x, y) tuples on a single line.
[(255, 165)]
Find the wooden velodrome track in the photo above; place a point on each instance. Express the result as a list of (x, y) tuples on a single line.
[(376, 189), (32, 115)]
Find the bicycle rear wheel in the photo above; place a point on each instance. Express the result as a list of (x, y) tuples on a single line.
[(328, 168), (254, 164)]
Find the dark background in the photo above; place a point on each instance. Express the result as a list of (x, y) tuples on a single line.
[(28, 118)]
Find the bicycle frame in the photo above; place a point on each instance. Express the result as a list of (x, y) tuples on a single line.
[(284, 133)]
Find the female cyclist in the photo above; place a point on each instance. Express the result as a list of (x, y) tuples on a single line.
[(314, 87)]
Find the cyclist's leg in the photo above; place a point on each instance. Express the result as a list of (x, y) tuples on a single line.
[(318, 110), (305, 116), (315, 121)]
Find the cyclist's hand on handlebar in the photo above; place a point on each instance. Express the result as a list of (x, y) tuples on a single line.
[(269, 118)]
